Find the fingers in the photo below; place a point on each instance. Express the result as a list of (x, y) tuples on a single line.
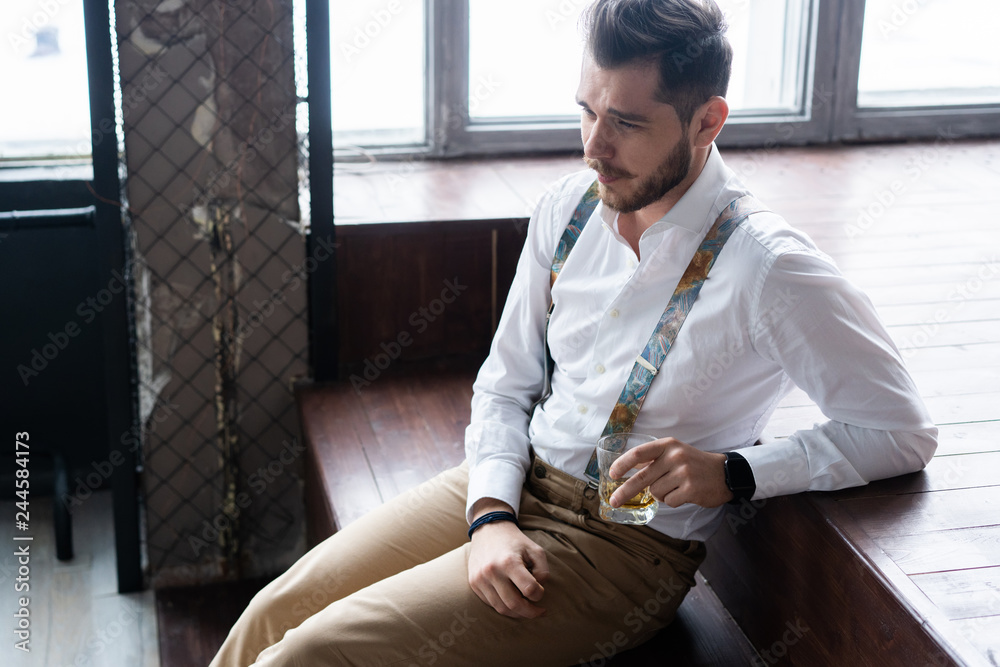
[(508, 593), (662, 469), (530, 576), (644, 453), (515, 604)]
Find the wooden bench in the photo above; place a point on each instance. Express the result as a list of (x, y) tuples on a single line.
[(366, 446)]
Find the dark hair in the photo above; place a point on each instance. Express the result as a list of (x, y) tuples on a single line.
[(685, 38)]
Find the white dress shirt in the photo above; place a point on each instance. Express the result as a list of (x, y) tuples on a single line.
[(773, 312)]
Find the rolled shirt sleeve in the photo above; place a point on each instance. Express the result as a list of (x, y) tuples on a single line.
[(834, 347)]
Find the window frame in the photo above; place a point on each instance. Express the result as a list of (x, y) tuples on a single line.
[(853, 124), (454, 136), (831, 58)]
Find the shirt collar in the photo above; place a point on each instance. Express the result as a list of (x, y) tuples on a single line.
[(696, 210)]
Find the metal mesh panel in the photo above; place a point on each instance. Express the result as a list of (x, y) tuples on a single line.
[(216, 180)]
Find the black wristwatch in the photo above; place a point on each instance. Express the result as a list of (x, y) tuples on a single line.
[(739, 478)]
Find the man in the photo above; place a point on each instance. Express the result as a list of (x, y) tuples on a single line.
[(546, 579)]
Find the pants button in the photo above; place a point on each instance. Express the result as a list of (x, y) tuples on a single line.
[(540, 472)]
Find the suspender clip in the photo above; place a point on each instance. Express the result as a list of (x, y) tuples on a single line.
[(641, 360)]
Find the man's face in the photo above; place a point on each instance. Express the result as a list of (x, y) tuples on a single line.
[(634, 142)]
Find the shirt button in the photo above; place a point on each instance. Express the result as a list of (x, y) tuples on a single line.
[(582, 409), (614, 313), (599, 368), (631, 264)]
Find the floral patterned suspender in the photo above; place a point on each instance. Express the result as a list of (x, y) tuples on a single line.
[(648, 363)]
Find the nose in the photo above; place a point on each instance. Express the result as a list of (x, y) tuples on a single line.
[(597, 144)]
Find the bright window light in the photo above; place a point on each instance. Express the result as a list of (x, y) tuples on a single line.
[(929, 53), (43, 56)]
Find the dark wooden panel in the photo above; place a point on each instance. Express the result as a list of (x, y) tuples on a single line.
[(702, 635), (420, 291), (788, 564), (195, 621)]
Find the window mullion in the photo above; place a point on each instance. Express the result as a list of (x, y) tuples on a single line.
[(851, 23), (448, 88)]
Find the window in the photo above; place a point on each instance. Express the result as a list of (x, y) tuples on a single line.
[(458, 77), (384, 42), (46, 112), (929, 53), (767, 73)]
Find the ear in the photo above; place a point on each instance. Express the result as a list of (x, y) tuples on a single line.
[(708, 121)]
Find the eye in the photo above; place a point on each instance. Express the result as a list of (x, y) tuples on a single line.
[(626, 125)]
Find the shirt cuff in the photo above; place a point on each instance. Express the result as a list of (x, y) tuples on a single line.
[(502, 480), (780, 468)]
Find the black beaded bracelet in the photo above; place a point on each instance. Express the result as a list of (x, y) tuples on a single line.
[(490, 517)]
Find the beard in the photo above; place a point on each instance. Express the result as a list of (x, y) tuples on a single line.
[(668, 175)]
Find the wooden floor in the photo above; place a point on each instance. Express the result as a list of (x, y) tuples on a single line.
[(77, 616)]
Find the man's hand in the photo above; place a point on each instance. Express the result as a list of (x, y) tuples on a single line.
[(506, 569), (675, 472)]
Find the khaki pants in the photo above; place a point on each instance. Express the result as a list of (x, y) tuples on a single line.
[(392, 588)]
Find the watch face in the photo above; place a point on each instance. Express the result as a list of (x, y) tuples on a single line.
[(739, 475)]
